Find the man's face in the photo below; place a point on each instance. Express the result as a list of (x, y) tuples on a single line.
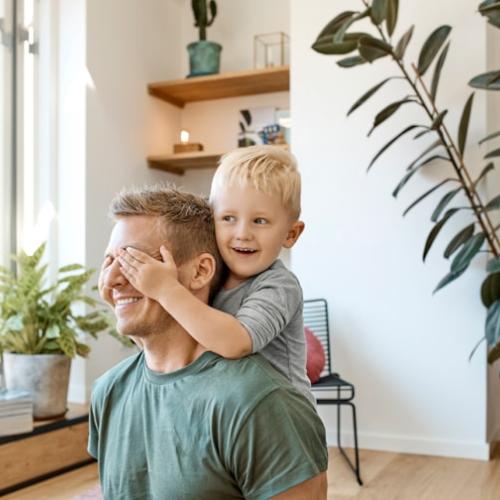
[(136, 314)]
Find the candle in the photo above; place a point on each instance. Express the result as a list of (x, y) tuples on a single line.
[(184, 136)]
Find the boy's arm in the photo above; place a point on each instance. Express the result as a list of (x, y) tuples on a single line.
[(215, 330)]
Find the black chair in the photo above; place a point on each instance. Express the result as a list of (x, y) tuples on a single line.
[(341, 392)]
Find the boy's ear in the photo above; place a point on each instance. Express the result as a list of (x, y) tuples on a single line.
[(293, 234), (202, 271)]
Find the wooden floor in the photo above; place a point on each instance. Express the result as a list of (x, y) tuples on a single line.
[(387, 476)]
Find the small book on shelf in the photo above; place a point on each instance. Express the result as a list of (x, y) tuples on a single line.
[(16, 412)]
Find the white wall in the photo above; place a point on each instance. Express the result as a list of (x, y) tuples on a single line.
[(404, 349)]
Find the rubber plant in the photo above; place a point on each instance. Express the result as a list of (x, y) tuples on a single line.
[(201, 15), (36, 318), (480, 233)]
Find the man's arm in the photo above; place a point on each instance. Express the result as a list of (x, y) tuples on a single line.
[(312, 489)]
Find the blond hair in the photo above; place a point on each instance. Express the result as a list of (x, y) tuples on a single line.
[(269, 169), (185, 219)]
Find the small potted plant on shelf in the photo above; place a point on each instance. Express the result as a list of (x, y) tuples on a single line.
[(204, 56), (40, 332)]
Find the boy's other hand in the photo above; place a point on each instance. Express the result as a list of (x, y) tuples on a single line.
[(147, 274)]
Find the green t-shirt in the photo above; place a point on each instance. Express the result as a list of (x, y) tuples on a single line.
[(216, 429)]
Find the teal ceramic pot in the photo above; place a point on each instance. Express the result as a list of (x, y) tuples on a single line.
[(204, 58)]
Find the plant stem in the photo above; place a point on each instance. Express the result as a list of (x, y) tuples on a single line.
[(450, 147)]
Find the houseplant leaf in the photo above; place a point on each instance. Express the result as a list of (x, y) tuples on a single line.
[(493, 265), (493, 204), (493, 154), (468, 252), (437, 71), (458, 240), (401, 46), (451, 276), (436, 230), (387, 112), (491, 9), (445, 200), (367, 95), (492, 327), (334, 25), (427, 193), (490, 289), (392, 15), (431, 47), (341, 32), (372, 48), (464, 124), (489, 137), (486, 81), (484, 172), (390, 143), (379, 11), (349, 62), (326, 45)]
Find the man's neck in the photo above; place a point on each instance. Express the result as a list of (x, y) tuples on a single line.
[(170, 351)]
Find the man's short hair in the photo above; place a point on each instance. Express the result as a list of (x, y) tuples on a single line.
[(269, 169), (186, 221)]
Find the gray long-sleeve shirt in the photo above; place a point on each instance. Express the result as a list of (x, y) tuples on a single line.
[(269, 305)]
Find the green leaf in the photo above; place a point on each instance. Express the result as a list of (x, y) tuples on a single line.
[(437, 71), (379, 11), (484, 172), (427, 193), (464, 124), (493, 204), (390, 143), (422, 133), (431, 47), (451, 276), (494, 354), (458, 240), (491, 9), (335, 24), (341, 33), (392, 15), (493, 265), (445, 200), (71, 267), (491, 136), (387, 112), (367, 95), (490, 289), (486, 81), (467, 252), (475, 348), (349, 62), (402, 45), (438, 120), (371, 48), (492, 326), (430, 148), (411, 172), (493, 154), (327, 46), (435, 231)]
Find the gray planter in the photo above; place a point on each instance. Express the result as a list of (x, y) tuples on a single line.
[(204, 58), (46, 376)]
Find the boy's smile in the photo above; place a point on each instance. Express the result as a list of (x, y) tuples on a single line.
[(251, 228)]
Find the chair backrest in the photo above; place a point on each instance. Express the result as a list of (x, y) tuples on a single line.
[(316, 319)]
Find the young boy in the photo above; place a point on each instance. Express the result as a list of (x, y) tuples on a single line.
[(255, 196)]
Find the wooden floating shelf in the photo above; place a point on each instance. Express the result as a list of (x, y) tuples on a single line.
[(203, 88), (180, 162)]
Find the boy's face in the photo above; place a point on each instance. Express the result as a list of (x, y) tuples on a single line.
[(251, 228)]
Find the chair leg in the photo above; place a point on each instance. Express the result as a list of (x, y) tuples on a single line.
[(355, 468)]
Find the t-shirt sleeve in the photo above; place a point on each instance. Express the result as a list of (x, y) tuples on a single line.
[(270, 305), (93, 441), (281, 444)]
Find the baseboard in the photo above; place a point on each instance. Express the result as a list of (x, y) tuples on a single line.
[(413, 445)]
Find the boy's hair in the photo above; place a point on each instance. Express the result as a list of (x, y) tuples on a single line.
[(269, 169), (186, 221)]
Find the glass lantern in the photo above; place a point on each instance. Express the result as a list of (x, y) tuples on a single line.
[(271, 49)]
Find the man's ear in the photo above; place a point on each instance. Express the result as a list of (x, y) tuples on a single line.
[(202, 271), (293, 234)]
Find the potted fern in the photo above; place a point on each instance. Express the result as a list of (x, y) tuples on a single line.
[(40, 332), (204, 56)]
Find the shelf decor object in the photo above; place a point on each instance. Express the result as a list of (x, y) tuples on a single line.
[(185, 146), (270, 49), (204, 56), (236, 84)]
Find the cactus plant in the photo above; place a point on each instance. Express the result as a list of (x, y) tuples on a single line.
[(201, 15)]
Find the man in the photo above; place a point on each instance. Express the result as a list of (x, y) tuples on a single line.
[(176, 421)]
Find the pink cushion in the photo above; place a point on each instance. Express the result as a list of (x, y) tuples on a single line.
[(315, 356)]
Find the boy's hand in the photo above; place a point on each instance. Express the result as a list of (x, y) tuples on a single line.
[(146, 274), (104, 292)]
